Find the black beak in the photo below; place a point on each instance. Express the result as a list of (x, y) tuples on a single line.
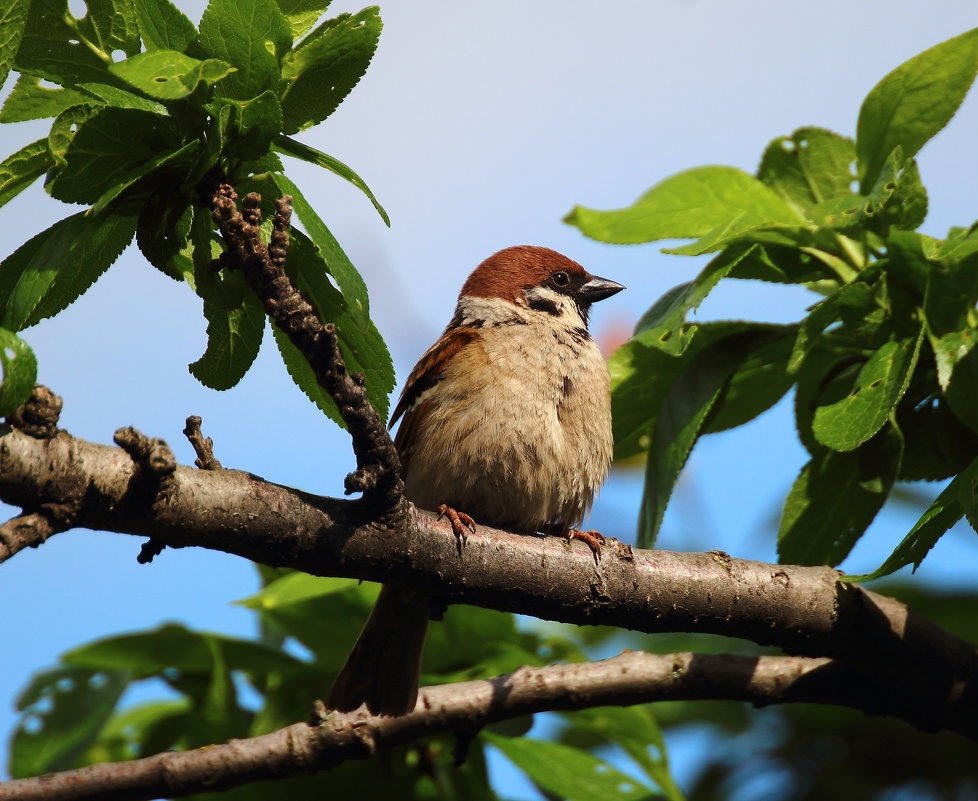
[(596, 289)]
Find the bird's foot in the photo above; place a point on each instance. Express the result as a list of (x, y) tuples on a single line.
[(593, 539), (462, 524)]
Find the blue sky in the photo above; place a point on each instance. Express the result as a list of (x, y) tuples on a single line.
[(478, 126)]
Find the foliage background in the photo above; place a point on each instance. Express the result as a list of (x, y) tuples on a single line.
[(478, 129)]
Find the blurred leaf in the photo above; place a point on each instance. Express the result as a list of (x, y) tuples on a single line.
[(12, 20), (325, 67), (568, 772), (691, 204), (295, 588), (169, 74), (834, 500), (163, 26), (943, 513), (302, 14), (882, 380), (64, 710), (149, 653), (19, 372), (957, 374), (914, 102), (54, 268), (30, 101), (252, 35), (139, 731), (289, 146), (337, 263), (937, 445), (19, 170)]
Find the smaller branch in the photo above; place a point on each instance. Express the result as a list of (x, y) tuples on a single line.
[(378, 469), (203, 446), (31, 529), (632, 677)]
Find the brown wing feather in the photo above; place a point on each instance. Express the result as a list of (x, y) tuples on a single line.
[(429, 370)]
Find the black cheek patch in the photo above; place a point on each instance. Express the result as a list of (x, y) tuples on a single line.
[(544, 305)]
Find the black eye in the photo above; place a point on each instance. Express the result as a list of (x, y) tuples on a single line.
[(560, 279)]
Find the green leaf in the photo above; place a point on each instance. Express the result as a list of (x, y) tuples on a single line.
[(12, 20), (302, 14), (19, 372), (568, 772), (156, 164), (853, 296), (914, 102), (149, 653), (64, 128), (249, 126), (252, 35), (163, 26), (324, 68), (691, 204), (338, 265), (54, 268), (943, 513), (233, 340), (957, 373), (363, 348), (163, 235), (291, 147), (19, 170), (295, 588), (834, 499), (678, 424), (882, 380), (110, 25), (120, 98), (114, 147), (168, 74), (64, 709), (53, 49), (968, 493), (808, 168), (756, 383), (139, 731), (30, 101)]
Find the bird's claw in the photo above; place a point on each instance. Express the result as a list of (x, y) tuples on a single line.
[(593, 539), (462, 524)]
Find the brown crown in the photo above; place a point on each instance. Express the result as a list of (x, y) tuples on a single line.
[(504, 274)]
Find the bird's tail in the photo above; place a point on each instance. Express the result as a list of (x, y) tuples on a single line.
[(383, 668)]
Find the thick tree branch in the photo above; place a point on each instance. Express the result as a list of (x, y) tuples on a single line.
[(630, 678), (802, 610), (378, 469)]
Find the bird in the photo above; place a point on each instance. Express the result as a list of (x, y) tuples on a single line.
[(505, 420)]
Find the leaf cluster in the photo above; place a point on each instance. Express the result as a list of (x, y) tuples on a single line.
[(149, 114), (883, 366)]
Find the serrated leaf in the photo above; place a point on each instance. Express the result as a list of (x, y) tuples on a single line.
[(169, 74), (52, 49), (112, 149), (914, 102), (338, 265), (678, 424), (692, 204), (13, 18), (252, 35), (19, 170), (568, 772), (291, 147), (325, 67), (882, 380), (19, 372), (64, 710), (233, 341), (834, 499), (30, 101), (248, 127), (54, 268), (944, 512), (302, 14), (163, 26)]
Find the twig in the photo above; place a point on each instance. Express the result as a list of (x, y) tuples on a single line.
[(630, 678), (203, 446), (378, 469)]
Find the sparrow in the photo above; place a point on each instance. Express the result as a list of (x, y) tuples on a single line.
[(506, 419)]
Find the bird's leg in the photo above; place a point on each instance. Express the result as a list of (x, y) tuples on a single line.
[(462, 524), (593, 539)]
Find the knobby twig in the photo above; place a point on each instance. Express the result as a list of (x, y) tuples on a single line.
[(631, 678), (803, 610), (203, 446), (378, 469)]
